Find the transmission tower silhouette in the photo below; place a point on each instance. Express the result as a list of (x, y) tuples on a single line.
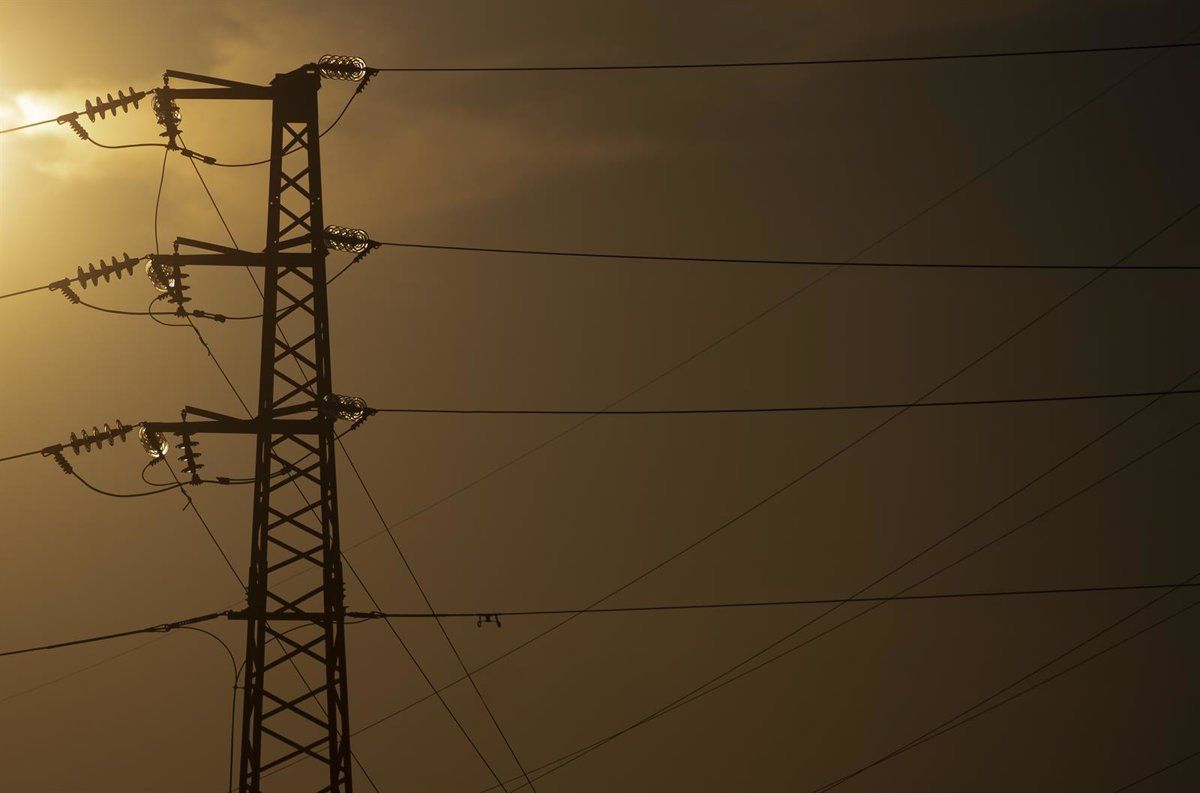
[(295, 516)]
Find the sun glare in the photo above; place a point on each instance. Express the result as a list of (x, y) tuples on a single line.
[(27, 108)]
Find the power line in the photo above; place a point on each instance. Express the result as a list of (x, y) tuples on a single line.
[(74, 280), (858, 439), (27, 126), (20, 292), (806, 62), (95, 142), (143, 494), (347, 562), (563, 760), (433, 613), (20, 455), (162, 178), (159, 628), (699, 691), (369, 615), (972, 713), (327, 130), (970, 181), (735, 65), (785, 261), (759, 316), (237, 394), (974, 178), (754, 604), (701, 259), (1157, 771), (216, 543), (793, 408), (731, 675)]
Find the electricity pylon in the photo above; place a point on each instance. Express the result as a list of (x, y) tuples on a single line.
[(295, 523)]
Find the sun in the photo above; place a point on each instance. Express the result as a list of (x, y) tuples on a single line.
[(28, 108)]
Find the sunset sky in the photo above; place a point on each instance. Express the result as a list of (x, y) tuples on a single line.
[(812, 162)]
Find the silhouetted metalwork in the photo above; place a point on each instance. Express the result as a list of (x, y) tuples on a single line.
[(111, 105), (167, 114), (154, 443), (295, 492), (85, 440), (115, 267), (343, 67), (341, 238), (99, 437), (99, 109)]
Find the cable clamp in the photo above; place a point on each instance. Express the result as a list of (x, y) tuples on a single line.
[(481, 619), (195, 155), (72, 120), (56, 452), (70, 294)]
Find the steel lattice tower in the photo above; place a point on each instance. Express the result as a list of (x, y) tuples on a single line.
[(295, 526)]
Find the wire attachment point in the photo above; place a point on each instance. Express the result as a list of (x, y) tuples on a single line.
[(98, 437), (344, 238), (106, 271), (122, 102), (56, 453), (166, 112), (349, 408), (344, 67), (70, 294), (72, 120)]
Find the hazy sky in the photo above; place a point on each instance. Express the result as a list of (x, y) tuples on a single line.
[(812, 162)]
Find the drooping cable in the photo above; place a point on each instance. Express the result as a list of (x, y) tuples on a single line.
[(162, 178), (852, 264), (756, 604), (159, 628), (246, 408), (983, 707), (441, 627), (326, 131), (562, 761), (973, 179), (95, 142), (1157, 771), (787, 299), (701, 690), (102, 492), (795, 408), (27, 126), (233, 703), (191, 504), (802, 62), (731, 675)]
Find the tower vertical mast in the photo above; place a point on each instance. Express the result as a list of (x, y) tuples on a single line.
[(295, 491)]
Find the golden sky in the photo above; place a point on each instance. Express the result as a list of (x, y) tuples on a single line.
[(800, 163)]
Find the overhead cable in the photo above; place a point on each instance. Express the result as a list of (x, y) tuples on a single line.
[(756, 604), (784, 261), (799, 62), (793, 408)]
